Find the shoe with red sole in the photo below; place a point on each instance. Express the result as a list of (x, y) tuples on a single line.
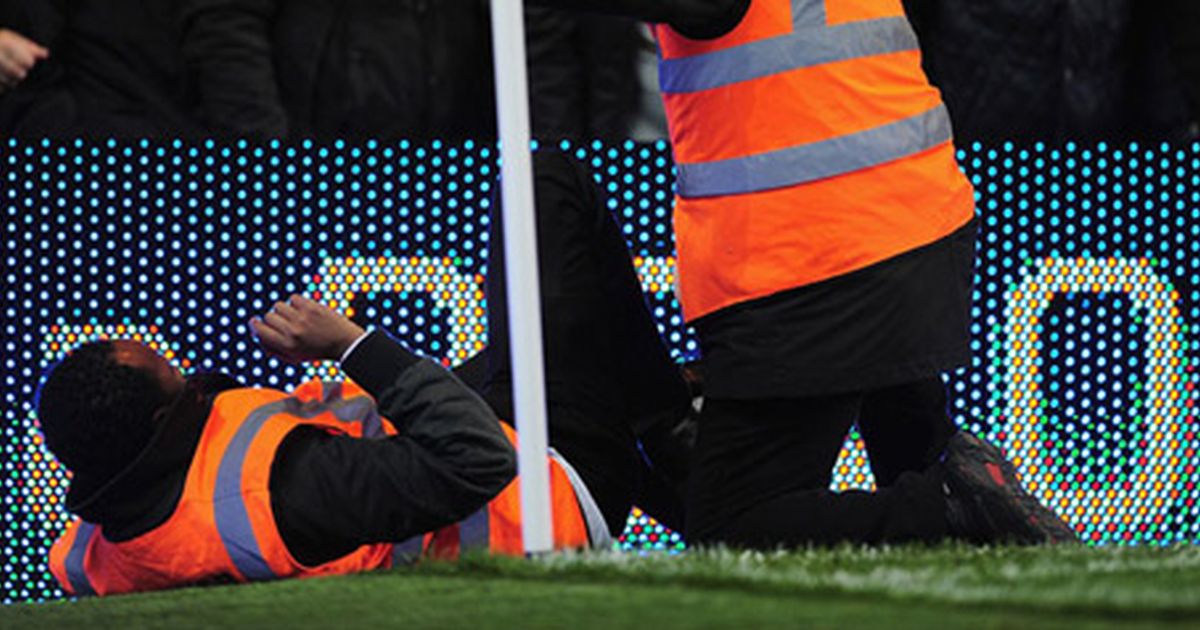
[(986, 502)]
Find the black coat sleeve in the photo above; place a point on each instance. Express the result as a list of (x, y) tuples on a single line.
[(227, 48), (698, 19), (1183, 38), (42, 95), (41, 22), (332, 494)]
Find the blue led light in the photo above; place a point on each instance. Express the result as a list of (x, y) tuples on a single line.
[(196, 238)]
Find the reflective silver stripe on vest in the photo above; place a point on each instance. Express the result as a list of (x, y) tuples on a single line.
[(76, 574), (819, 160), (805, 48), (598, 533), (809, 13), (474, 531), (232, 517), (409, 551)]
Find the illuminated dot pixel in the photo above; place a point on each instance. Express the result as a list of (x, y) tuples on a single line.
[(643, 533), (1082, 341), (1112, 502), (41, 479), (339, 282)]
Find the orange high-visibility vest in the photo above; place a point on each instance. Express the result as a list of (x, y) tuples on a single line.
[(808, 144), (497, 526), (223, 528)]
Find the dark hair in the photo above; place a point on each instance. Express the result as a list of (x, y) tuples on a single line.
[(96, 413)]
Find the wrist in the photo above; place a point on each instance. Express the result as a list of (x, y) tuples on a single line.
[(346, 341), (353, 347)]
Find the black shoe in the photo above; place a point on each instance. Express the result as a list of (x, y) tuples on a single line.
[(668, 438), (986, 503), (668, 446)]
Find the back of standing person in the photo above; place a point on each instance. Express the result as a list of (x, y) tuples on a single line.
[(1056, 70), (115, 71), (327, 69), (580, 75)]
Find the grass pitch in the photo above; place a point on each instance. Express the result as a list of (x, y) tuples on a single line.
[(944, 587)]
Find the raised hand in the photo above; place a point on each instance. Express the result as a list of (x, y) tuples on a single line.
[(18, 56), (300, 329)]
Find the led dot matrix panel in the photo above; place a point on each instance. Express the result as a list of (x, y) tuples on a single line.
[(1082, 338)]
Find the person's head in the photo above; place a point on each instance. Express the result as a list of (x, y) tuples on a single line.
[(100, 405)]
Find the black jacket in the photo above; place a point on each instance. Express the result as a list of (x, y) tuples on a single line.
[(1183, 36), (115, 71), (581, 75), (417, 69), (1053, 70), (332, 494)]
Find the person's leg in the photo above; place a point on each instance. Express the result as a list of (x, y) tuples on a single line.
[(596, 320), (761, 479), (656, 401), (606, 367), (661, 496), (905, 427)]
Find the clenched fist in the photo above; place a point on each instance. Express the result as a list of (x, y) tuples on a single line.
[(18, 55), (300, 329)]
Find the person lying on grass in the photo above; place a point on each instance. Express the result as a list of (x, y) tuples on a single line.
[(185, 481), (201, 480)]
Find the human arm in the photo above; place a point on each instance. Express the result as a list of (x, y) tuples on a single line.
[(332, 494), (921, 14), (697, 19), (227, 49), (18, 56)]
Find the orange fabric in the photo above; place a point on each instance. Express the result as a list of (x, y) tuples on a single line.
[(58, 556), (187, 548), (844, 11), (735, 248), (742, 247), (762, 20), (255, 481), (504, 517), (778, 111)]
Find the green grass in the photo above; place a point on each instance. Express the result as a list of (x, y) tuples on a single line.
[(941, 587)]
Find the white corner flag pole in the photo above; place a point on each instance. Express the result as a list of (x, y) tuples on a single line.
[(521, 272)]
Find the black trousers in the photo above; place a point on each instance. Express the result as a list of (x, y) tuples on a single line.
[(762, 469), (608, 375)]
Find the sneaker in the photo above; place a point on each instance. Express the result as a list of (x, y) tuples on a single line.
[(668, 446), (986, 503)]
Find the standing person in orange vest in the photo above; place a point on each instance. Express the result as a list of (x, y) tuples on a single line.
[(825, 239)]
